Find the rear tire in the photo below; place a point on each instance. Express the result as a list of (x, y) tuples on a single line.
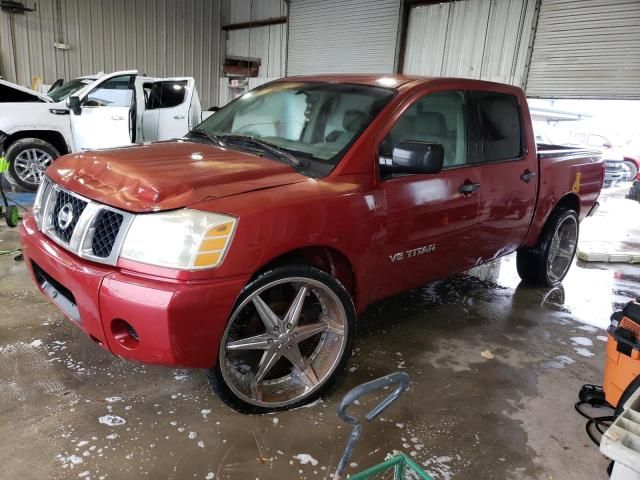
[(28, 159), (272, 359), (548, 263)]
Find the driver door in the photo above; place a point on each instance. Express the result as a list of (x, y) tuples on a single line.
[(105, 119), (430, 220)]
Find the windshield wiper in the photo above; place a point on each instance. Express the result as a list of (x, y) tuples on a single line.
[(264, 146), (199, 132)]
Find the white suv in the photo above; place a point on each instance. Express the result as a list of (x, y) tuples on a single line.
[(100, 111)]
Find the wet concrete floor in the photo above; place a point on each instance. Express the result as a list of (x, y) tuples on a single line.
[(63, 400)]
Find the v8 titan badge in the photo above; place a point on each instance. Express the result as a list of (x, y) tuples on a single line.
[(415, 252)]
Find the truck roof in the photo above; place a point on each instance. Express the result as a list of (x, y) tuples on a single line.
[(394, 81)]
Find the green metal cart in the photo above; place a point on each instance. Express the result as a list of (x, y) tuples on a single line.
[(397, 467)]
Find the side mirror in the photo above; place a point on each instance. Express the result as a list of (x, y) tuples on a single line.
[(607, 145), (74, 105), (417, 157)]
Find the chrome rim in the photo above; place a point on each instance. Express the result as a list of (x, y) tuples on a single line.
[(283, 342), (30, 165), (562, 249)]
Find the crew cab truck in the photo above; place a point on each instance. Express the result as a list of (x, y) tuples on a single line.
[(249, 246), (88, 113)]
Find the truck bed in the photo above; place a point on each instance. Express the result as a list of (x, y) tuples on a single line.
[(563, 169)]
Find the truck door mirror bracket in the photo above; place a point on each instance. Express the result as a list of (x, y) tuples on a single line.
[(417, 157), (74, 105)]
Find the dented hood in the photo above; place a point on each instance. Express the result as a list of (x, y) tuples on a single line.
[(167, 175)]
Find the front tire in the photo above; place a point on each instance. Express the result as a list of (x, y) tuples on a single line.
[(548, 263), (28, 159), (288, 336)]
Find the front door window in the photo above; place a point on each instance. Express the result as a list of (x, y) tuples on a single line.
[(438, 118)]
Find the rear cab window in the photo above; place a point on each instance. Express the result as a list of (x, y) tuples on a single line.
[(499, 126)]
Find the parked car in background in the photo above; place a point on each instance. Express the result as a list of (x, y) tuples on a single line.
[(249, 246), (616, 171), (92, 112), (620, 167)]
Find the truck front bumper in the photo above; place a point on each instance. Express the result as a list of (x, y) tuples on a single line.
[(135, 316)]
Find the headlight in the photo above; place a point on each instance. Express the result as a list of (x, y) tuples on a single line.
[(183, 239)]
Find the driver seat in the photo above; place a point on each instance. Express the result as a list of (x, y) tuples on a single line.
[(352, 122)]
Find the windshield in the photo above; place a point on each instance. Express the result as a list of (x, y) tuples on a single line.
[(67, 89), (313, 121)]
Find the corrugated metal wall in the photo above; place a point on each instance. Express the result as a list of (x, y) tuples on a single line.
[(586, 49), (268, 43), (333, 36), (485, 39), (158, 37)]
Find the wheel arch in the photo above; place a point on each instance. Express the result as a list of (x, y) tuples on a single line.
[(570, 201), (325, 258), (53, 137), (545, 211)]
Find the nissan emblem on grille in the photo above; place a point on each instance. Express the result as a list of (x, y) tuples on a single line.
[(65, 216)]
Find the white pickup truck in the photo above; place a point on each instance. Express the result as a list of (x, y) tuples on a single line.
[(93, 112)]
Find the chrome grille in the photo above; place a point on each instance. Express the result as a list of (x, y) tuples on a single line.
[(73, 207), (87, 228), (106, 230)]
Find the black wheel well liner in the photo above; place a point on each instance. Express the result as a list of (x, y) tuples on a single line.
[(570, 201), (325, 258), (50, 136)]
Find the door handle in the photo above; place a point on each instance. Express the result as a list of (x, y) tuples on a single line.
[(527, 175), (117, 117), (468, 187), (178, 117)]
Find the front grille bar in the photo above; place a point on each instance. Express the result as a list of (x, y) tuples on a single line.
[(83, 233)]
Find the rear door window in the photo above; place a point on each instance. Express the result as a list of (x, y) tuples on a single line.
[(500, 126), (166, 94)]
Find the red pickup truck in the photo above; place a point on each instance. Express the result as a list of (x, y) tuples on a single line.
[(249, 246)]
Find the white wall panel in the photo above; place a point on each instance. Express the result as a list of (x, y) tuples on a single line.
[(586, 49)]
